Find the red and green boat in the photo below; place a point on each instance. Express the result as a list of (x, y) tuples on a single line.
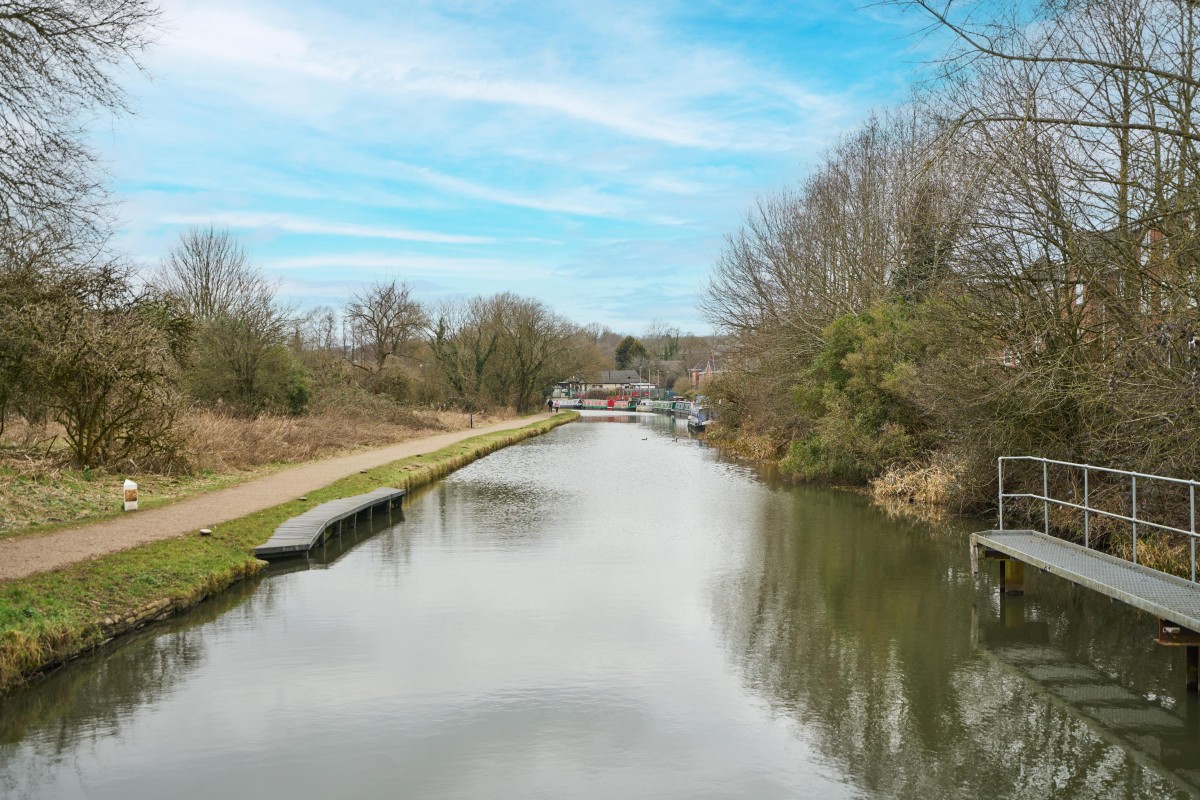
[(618, 403)]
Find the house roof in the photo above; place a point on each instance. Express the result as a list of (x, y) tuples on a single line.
[(615, 376)]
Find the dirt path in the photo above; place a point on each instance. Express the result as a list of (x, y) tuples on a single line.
[(26, 555)]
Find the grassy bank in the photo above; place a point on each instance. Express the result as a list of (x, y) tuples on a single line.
[(50, 618), (38, 497), (41, 491)]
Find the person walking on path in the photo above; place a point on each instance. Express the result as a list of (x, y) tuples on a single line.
[(550, 405)]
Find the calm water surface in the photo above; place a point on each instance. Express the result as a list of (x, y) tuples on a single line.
[(613, 611)]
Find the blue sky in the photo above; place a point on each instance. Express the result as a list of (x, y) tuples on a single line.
[(590, 154)]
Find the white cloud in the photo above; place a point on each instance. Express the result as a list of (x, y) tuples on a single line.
[(623, 115), (242, 220), (581, 200), (673, 185), (645, 85), (223, 35), (411, 264)]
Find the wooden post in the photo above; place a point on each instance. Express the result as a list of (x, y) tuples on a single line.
[(1193, 668)]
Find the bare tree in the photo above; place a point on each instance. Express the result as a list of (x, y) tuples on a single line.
[(463, 337), (538, 348), (239, 355), (114, 381), (662, 340), (503, 349), (59, 60), (1077, 274), (79, 347), (209, 271), (386, 321)]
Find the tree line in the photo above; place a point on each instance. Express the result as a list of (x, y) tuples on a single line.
[(116, 360), (1008, 264)]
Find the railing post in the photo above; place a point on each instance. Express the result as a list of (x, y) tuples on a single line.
[(1086, 509), (1192, 503), (1046, 497), (1000, 476), (1134, 519)]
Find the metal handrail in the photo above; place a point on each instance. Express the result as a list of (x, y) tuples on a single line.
[(1088, 509)]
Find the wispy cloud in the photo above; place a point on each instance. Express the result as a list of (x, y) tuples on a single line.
[(651, 86), (581, 200), (405, 265), (244, 220), (622, 115), (481, 146)]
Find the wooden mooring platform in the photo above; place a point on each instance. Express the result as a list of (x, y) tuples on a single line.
[(300, 534)]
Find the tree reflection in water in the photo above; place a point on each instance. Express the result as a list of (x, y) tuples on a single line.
[(873, 636)]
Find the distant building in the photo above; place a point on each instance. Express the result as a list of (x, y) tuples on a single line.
[(612, 380), (705, 371), (572, 387)]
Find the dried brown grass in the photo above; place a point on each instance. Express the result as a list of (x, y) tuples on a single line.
[(764, 447), (933, 484), (40, 489), (222, 442)]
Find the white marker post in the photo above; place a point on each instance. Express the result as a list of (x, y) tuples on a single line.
[(130, 496)]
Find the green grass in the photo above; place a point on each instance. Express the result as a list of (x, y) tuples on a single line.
[(49, 618), (60, 498)]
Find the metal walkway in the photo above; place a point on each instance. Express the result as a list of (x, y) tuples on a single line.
[(1165, 596), (300, 534)]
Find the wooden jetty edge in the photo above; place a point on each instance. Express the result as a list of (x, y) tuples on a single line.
[(300, 534)]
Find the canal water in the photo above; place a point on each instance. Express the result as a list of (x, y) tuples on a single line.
[(613, 610)]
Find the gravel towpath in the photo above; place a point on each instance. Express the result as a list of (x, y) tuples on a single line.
[(26, 555)]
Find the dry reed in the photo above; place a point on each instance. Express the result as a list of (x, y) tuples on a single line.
[(933, 484)]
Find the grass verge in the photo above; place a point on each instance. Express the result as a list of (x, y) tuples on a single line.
[(50, 618), (40, 492), (62, 497)]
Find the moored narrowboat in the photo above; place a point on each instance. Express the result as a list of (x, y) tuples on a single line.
[(682, 408)]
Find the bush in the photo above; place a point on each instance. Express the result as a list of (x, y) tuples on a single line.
[(77, 348), (856, 415)]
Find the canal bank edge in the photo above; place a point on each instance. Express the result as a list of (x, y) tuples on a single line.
[(53, 617)]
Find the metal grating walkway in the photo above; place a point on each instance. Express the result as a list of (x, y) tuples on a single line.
[(299, 534), (1165, 596)]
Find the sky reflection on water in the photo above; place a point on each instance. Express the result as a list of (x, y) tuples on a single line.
[(612, 610)]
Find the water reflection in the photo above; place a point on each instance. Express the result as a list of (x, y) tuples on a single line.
[(864, 634), (1139, 725), (614, 610), (332, 550), (94, 696)]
